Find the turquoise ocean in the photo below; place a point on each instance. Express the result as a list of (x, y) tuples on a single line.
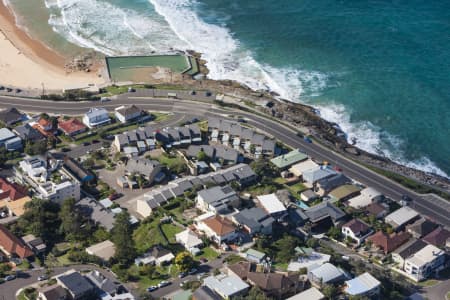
[(380, 69)]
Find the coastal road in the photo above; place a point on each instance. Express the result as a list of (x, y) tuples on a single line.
[(428, 205)]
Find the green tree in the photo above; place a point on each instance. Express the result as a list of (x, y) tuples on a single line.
[(3, 156), (334, 233), (285, 247), (312, 243), (71, 221), (184, 261), (201, 156), (121, 236), (89, 163), (329, 291)]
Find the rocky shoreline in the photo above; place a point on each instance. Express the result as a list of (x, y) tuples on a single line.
[(305, 117)]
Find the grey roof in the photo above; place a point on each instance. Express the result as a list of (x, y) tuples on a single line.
[(96, 112), (195, 130), (214, 122), (227, 154), (205, 293), (258, 139), (219, 179), (193, 150), (142, 166), (254, 218), (149, 131), (411, 247), (26, 132), (77, 284), (328, 272), (123, 139), (10, 115), (167, 194), (159, 199), (129, 110), (317, 174), (95, 211), (236, 129), (218, 196), (141, 134), (297, 216), (247, 133), (243, 172), (268, 145), (103, 283), (132, 136), (184, 132), (324, 210), (333, 182), (174, 133)]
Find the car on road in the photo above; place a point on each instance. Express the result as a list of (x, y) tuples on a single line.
[(307, 139), (105, 100), (86, 144), (192, 271), (10, 277), (152, 288), (182, 275), (131, 90), (203, 260), (95, 141), (65, 149), (192, 92), (9, 90), (2, 87), (163, 283), (42, 278), (18, 90), (208, 93), (195, 120)]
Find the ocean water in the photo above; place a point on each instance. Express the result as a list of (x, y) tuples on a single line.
[(380, 69)]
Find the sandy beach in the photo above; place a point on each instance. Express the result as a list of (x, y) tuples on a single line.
[(29, 64)]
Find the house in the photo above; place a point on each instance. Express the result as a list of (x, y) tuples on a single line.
[(272, 205), (307, 258), (312, 176), (104, 250), (310, 294), (107, 288), (437, 237), (216, 153), (227, 286), (45, 126), (12, 245), (254, 220), (95, 211), (401, 217), (366, 197), (255, 256), (356, 230), (96, 116), (323, 212), (152, 170), (378, 210), (13, 197), (344, 192), (326, 274), (205, 293), (157, 256), (218, 229), (406, 250), (427, 260), (52, 292), (127, 113), (9, 140), (28, 134), (10, 116), (276, 285), (217, 199), (388, 243), (326, 185), (308, 195), (58, 192), (35, 243), (71, 127), (188, 239), (77, 285), (76, 170), (421, 228), (363, 285), (285, 161), (299, 168)]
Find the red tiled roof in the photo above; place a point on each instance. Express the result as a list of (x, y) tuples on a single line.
[(11, 190), (220, 225), (389, 242), (437, 237), (70, 126), (375, 208), (357, 226), (12, 244)]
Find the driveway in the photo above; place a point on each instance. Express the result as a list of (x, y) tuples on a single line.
[(438, 291)]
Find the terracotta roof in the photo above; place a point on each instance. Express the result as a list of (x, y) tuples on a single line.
[(422, 227), (270, 281), (389, 242), (70, 126), (11, 191), (241, 269), (12, 244), (220, 225), (357, 226), (437, 237), (44, 122), (375, 208)]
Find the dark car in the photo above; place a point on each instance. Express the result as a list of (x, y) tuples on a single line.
[(152, 288), (208, 93), (192, 271), (95, 141), (10, 277), (86, 144), (182, 275), (203, 260), (64, 149), (18, 90), (8, 90), (164, 283), (307, 139), (2, 87)]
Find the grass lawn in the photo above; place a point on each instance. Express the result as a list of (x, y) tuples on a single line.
[(64, 260), (159, 117), (208, 253), (281, 266), (116, 90), (148, 235), (170, 230), (234, 258), (21, 296), (296, 188), (145, 281), (447, 296)]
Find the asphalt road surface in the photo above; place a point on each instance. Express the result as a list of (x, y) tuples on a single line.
[(431, 206)]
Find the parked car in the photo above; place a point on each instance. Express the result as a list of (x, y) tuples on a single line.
[(86, 144), (10, 277), (2, 87), (95, 141), (42, 278), (163, 283), (152, 288), (18, 90), (208, 93), (182, 275), (192, 92), (65, 149), (9, 90), (203, 260), (307, 139), (131, 90), (105, 99)]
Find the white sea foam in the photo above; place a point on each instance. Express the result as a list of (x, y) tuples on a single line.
[(130, 32), (373, 139)]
